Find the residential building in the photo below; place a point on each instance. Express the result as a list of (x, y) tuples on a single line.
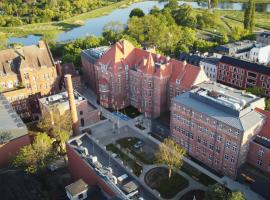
[(243, 74), (124, 75), (13, 132), (247, 50), (216, 124), (87, 113), (26, 74), (263, 37), (209, 65), (259, 152)]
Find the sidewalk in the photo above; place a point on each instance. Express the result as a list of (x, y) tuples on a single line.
[(230, 183)]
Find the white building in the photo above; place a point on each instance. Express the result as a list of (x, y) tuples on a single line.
[(260, 54), (209, 65)]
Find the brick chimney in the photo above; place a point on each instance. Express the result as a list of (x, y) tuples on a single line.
[(72, 105)]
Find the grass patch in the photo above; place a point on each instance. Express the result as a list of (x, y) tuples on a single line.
[(158, 179), (130, 111), (197, 175), (54, 28), (136, 168), (199, 195), (128, 144)]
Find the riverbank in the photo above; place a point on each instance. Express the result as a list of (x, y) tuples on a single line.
[(51, 29)]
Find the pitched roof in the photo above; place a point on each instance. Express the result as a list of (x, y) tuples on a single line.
[(34, 56), (246, 65)]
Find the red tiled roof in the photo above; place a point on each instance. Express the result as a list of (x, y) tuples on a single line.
[(265, 131)]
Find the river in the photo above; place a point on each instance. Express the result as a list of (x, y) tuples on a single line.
[(94, 26)]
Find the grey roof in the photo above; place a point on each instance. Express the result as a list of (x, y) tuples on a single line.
[(241, 123), (77, 187), (11, 125)]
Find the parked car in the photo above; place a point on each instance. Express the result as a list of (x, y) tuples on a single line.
[(139, 144)]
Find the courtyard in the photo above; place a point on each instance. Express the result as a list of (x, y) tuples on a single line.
[(137, 152)]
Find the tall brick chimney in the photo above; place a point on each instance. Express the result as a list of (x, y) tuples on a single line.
[(72, 105)]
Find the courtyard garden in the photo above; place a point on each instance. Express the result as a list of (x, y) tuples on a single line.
[(198, 194), (139, 153), (136, 167), (130, 111), (159, 180), (197, 175)]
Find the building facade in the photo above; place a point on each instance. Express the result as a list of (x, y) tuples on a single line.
[(87, 113), (243, 74), (216, 124), (263, 37), (13, 132), (124, 75), (26, 74)]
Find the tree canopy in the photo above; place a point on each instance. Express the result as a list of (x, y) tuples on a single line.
[(136, 12), (219, 192), (249, 16), (36, 157), (17, 12), (170, 154)]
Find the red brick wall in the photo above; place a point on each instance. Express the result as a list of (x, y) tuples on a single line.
[(253, 156), (9, 150), (80, 169)]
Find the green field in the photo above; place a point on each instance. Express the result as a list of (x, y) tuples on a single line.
[(51, 29)]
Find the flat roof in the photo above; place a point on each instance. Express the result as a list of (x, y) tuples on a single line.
[(77, 187), (11, 125), (105, 166), (222, 103)]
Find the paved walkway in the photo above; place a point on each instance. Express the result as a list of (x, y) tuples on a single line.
[(193, 185), (230, 183)]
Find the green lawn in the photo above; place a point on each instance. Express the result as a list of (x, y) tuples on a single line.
[(137, 169), (199, 195), (197, 175), (158, 179), (130, 111), (51, 29), (128, 144)]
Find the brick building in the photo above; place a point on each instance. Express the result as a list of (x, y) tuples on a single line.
[(13, 132), (123, 75), (259, 152), (69, 68), (26, 74), (216, 124), (243, 74), (87, 113)]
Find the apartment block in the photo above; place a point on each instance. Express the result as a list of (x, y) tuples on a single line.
[(26, 74), (13, 132), (87, 113), (263, 37), (243, 74), (124, 75), (216, 125)]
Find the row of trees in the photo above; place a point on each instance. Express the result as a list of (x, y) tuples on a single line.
[(17, 12), (249, 16)]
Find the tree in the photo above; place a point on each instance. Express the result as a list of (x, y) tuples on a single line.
[(237, 195), (136, 12), (171, 5), (61, 137), (112, 31), (185, 16), (170, 154), (249, 16), (55, 121), (258, 91), (238, 33), (212, 4), (216, 192), (36, 157)]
